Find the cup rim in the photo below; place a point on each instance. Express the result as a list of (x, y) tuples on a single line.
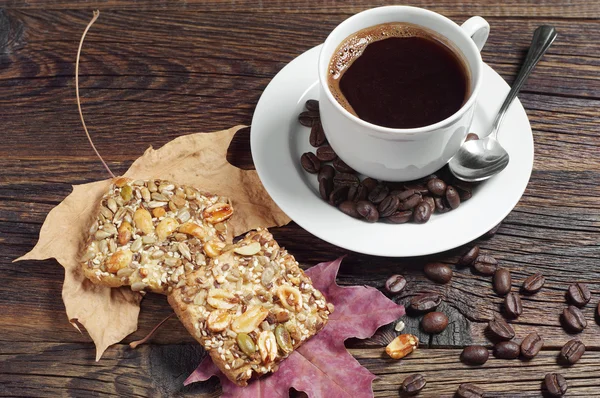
[(398, 131)]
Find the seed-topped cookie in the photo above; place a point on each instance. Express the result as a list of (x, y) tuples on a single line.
[(250, 307), (148, 234)]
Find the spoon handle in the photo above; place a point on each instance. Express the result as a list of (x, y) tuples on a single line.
[(541, 41)]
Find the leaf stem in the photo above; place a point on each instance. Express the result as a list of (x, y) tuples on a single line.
[(136, 343)]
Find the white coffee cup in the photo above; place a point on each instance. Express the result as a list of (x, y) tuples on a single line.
[(392, 154)]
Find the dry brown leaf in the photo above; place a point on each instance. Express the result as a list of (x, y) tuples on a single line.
[(109, 315)]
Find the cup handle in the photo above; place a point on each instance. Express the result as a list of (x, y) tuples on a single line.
[(478, 29)]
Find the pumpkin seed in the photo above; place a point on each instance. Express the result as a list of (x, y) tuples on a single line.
[(246, 344)]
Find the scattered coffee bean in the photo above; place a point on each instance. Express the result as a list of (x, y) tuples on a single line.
[(475, 355), (357, 192), (573, 319), (395, 284), (422, 213), (471, 137), (400, 216), (490, 234), (531, 345), (430, 202), (370, 183), (556, 385), (434, 322), (367, 210), (388, 206), (377, 194), (326, 153), (502, 281), (308, 118), (310, 162), (438, 272), (317, 135), (348, 207), (440, 206), (579, 294), (312, 105), (507, 350), (436, 186), (421, 189), (327, 172), (512, 305), (338, 195), (346, 179), (325, 188), (413, 384), (533, 283), (572, 351), (342, 167), (468, 390), (470, 256), (411, 201), (501, 329), (426, 302), (452, 197), (485, 264), (464, 195)]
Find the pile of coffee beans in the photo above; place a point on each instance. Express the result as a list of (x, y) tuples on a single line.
[(372, 200)]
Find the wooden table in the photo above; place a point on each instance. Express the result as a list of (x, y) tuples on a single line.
[(152, 71)]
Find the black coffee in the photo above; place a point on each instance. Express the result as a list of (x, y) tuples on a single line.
[(398, 75)]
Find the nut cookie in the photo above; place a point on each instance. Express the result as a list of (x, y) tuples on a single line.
[(250, 307), (149, 234)]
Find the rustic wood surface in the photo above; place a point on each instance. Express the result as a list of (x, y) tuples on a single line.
[(154, 70)]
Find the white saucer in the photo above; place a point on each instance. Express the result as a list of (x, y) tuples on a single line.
[(278, 140)]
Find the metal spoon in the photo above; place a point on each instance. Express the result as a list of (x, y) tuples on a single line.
[(479, 160)]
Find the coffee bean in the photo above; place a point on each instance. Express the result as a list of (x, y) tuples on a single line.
[(405, 194), (556, 385), (312, 105), (317, 135), (464, 189), (310, 162), (507, 350), (421, 189), (327, 172), (485, 264), (572, 351), (573, 319), (579, 294), (512, 305), (436, 186), (468, 390), (411, 202), (400, 217), (395, 284), (348, 207), (370, 183), (531, 345), (388, 206), (338, 195), (438, 272), (502, 281), (325, 188), (326, 153), (440, 206), (422, 213), (471, 137), (470, 256), (434, 322), (533, 283), (357, 192), (452, 197), (345, 179), (430, 202), (501, 329), (490, 234), (342, 167), (426, 302), (475, 355), (464, 195), (413, 384), (379, 193), (367, 210), (308, 118)]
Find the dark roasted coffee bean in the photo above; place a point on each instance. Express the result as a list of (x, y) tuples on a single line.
[(403, 195), (388, 206), (426, 302), (472, 137), (400, 217), (326, 172), (422, 213), (312, 105), (413, 384), (342, 167), (501, 329), (572, 351), (345, 179), (438, 272), (317, 135), (357, 192), (326, 153), (469, 257), (348, 207), (440, 206), (490, 234), (475, 355), (468, 390), (430, 202), (464, 195), (367, 210), (507, 350), (370, 183), (512, 305), (555, 384), (411, 202), (421, 189), (485, 264), (379, 193), (573, 319), (531, 345), (533, 283), (310, 162), (579, 294), (395, 284), (325, 188), (502, 281), (436, 186), (452, 197), (338, 195), (308, 118), (434, 322)]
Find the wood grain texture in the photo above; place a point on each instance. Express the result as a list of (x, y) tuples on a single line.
[(152, 71)]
